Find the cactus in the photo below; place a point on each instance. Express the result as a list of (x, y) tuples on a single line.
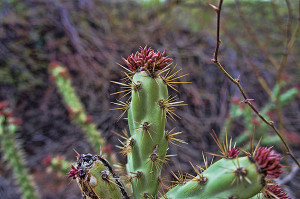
[(61, 77), (13, 153), (56, 164), (239, 110), (76, 111), (232, 176), (146, 118), (96, 178), (147, 79)]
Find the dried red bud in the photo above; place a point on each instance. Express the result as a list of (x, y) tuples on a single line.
[(275, 191), (47, 160), (147, 59), (74, 172), (54, 64), (64, 73), (8, 114), (71, 113), (232, 153), (89, 119), (268, 161), (16, 121), (3, 105)]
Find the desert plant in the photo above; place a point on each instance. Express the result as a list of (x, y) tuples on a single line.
[(13, 153), (60, 76), (147, 78), (252, 123)]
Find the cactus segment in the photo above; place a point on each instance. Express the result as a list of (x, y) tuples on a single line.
[(56, 164), (261, 128), (14, 156), (224, 179), (60, 75), (96, 178), (147, 127)]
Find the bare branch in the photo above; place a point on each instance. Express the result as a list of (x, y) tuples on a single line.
[(237, 83)]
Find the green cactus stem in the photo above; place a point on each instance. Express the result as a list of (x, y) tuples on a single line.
[(56, 164), (146, 118), (147, 81), (96, 178), (223, 179), (60, 76), (237, 110), (232, 176), (14, 155)]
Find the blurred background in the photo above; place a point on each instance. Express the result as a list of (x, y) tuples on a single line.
[(89, 38)]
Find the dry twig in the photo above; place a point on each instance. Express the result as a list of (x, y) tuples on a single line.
[(237, 82)]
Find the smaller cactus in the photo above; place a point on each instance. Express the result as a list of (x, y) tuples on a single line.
[(96, 178), (56, 164), (61, 77), (237, 110), (13, 153)]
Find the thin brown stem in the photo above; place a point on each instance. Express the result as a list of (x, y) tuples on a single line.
[(237, 83)]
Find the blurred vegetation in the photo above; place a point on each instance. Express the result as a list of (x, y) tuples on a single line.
[(90, 37)]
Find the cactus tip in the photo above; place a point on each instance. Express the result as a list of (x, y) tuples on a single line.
[(269, 161), (74, 172), (47, 160), (275, 191), (147, 60)]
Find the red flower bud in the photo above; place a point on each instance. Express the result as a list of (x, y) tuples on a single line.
[(74, 172), (147, 59), (268, 161)]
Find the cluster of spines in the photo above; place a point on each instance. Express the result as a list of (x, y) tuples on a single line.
[(13, 153)]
